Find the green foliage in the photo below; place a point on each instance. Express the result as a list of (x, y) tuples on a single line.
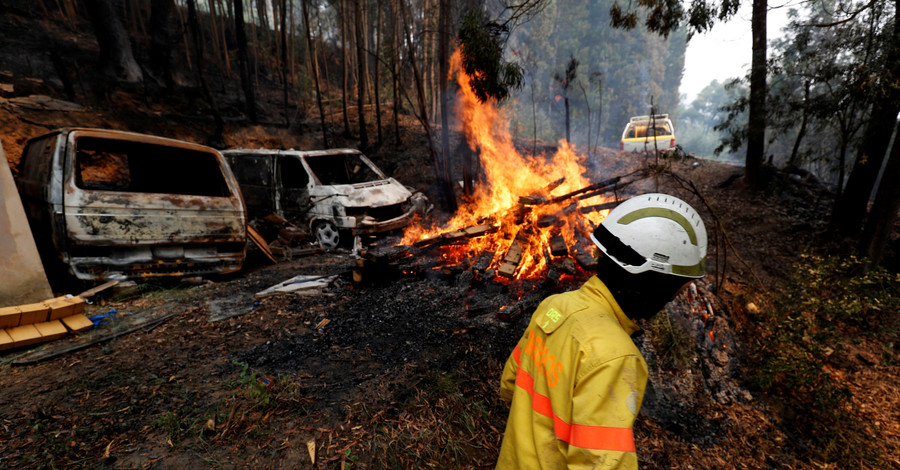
[(665, 16), (256, 386), (845, 292), (482, 54), (828, 301), (174, 425), (567, 79)]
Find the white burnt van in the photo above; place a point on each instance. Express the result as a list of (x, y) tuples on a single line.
[(338, 194), (113, 205)]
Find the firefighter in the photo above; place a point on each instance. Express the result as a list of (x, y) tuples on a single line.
[(576, 380)]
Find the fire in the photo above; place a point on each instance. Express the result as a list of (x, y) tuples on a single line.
[(517, 197)]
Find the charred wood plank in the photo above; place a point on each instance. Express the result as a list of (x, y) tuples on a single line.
[(589, 188), (584, 259), (558, 245), (526, 304), (456, 235), (547, 221), (599, 207), (513, 256)]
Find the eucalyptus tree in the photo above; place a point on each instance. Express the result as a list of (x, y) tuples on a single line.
[(818, 94), (566, 81), (884, 92)]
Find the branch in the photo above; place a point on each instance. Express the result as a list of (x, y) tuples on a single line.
[(849, 18)]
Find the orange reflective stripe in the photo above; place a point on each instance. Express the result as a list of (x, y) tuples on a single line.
[(580, 435), (602, 437)]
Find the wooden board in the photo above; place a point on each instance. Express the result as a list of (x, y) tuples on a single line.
[(260, 243)]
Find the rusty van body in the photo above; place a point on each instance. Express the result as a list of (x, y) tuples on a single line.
[(337, 193), (115, 205)]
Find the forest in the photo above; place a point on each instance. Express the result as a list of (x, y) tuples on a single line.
[(793, 365)]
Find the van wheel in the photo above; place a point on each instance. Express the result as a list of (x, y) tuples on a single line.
[(327, 235)]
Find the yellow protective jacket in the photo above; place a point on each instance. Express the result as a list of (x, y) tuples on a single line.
[(576, 381)]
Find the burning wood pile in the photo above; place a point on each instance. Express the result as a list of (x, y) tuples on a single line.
[(523, 241)]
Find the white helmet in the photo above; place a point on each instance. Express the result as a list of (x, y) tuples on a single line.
[(654, 232)]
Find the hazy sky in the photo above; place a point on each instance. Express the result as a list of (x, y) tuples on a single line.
[(724, 52)]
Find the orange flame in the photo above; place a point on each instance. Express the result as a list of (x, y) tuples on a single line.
[(508, 176)]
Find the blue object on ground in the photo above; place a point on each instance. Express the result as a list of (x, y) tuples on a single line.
[(103, 317)]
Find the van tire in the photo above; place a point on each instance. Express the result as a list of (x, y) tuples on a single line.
[(327, 236)]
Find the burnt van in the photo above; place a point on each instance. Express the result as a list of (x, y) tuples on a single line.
[(116, 205), (339, 194)]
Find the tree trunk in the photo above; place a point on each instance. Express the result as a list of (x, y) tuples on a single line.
[(443, 59), (587, 104), (566, 104), (218, 139), (376, 90), (851, 208), (533, 119), (599, 110), (116, 57), (395, 72), (314, 69), (793, 161), (345, 59), (756, 126), (163, 42), (284, 63), (244, 60), (880, 223), (361, 74)]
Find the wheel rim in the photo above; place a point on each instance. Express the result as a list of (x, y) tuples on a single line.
[(327, 235)]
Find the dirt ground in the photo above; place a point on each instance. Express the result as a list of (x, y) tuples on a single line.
[(400, 371)]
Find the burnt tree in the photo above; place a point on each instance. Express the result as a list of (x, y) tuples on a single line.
[(163, 41), (359, 20), (756, 125), (314, 69), (850, 211), (217, 139), (244, 60), (116, 56)]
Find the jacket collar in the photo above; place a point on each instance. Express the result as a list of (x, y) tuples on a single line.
[(594, 287)]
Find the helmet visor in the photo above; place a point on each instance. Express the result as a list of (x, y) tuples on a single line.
[(636, 263)]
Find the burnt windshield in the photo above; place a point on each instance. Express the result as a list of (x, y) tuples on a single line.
[(341, 168)]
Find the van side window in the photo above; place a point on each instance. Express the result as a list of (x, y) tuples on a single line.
[(35, 164), (120, 165), (251, 169), (293, 175)]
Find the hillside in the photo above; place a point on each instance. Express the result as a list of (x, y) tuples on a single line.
[(403, 372)]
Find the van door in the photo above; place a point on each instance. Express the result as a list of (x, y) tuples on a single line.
[(293, 181), (256, 175)]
